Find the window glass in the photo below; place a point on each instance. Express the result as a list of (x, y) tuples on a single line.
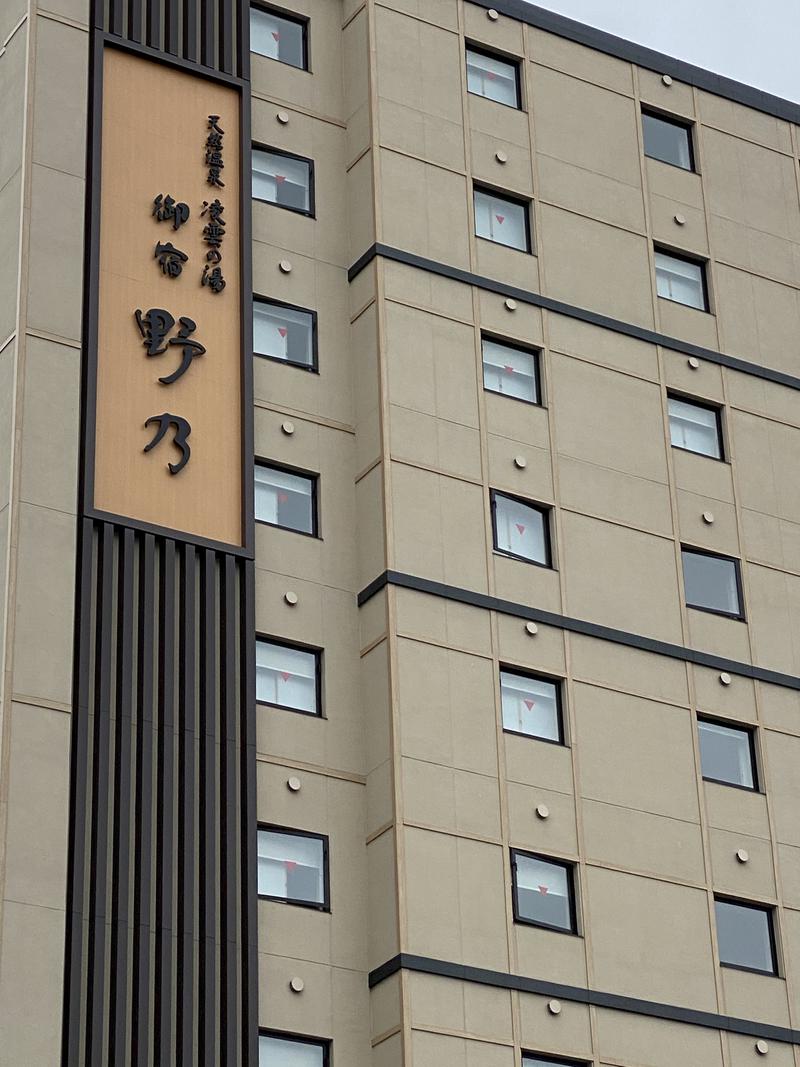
[(282, 180), (671, 142), (286, 677), (681, 280), (276, 37), (744, 935), (291, 867), (276, 1051), (283, 333), (284, 499), (509, 370), (493, 78), (726, 754), (694, 427), (503, 221), (520, 529), (543, 891), (542, 1061), (711, 582), (530, 706)]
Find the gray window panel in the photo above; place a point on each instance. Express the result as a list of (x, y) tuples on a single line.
[(542, 1061), (726, 754), (284, 499), (281, 180), (667, 141), (277, 38), (680, 280), (291, 867), (283, 333), (510, 371), (502, 221), (543, 892), (520, 529), (694, 428), (530, 706), (492, 78), (286, 677), (744, 935), (275, 1051), (711, 582)]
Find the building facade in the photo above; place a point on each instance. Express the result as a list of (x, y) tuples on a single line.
[(420, 686)]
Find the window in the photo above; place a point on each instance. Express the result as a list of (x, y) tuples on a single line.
[(510, 370), (284, 333), (543, 892), (282, 179), (695, 427), (502, 220), (531, 706), (529, 1059), (746, 936), (496, 79), (668, 140), (712, 583), (279, 37), (286, 1050), (293, 866), (727, 754), (285, 499), (287, 677), (520, 529), (681, 280)]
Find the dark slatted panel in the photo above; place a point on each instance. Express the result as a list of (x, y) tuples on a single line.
[(187, 794), (209, 845)]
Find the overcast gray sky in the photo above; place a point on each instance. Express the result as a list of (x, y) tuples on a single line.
[(756, 43)]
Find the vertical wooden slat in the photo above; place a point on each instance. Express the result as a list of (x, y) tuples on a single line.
[(225, 35), (207, 33), (135, 21), (190, 30), (172, 30)]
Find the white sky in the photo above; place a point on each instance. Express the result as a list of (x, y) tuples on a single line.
[(752, 42)]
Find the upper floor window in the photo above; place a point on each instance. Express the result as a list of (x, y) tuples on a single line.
[(695, 427), (288, 1050), (293, 866), (681, 280), (746, 936), (283, 179), (284, 333), (502, 219), (530, 1059), (287, 676), (531, 706), (286, 499), (520, 529), (668, 140), (544, 893), (278, 36), (727, 754), (712, 583), (510, 370), (492, 77)]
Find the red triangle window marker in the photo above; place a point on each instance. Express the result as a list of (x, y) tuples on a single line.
[(286, 675), (276, 35), (500, 218), (280, 177), (543, 890), (490, 74), (509, 369), (282, 498), (282, 331), (520, 527), (529, 704), (290, 864)]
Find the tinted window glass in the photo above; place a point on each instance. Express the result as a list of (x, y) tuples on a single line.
[(282, 180), (726, 754), (694, 427), (543, 891), (493, 78), (542, 1061), (520, 529), (744, 935), (509, 370), (681, 280), (286, 677), (503, 221), (671, 142), (283, 333), (291, 867), (530, 705), (277, 37), (284, 499), (711, 582)]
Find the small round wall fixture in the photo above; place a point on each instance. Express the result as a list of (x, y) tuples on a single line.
[(501, 156), (531, 628), (666, 79), (693, 362), (492, 15), (510, 305), (285, 267), (287, 428), (293, 784), (283, 117), (708, 518), (520, 462), (725, 678), (554, 1007), (742, 855), (542, 811), (680, 220), (297, 985), (762, 1048), (291, 598)]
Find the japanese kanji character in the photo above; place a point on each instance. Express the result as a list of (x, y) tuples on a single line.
[(212, 277), (182, 431), (170, 259), (165, 208)]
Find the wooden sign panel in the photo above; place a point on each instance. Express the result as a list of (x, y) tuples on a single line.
[(168, 402)]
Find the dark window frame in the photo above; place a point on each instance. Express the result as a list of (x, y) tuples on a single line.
[(673, 120), (538, 676), (512, 198), (313, 477), (311, 368), (707, 405), (754, 763), (686, 257), (502, 57), (290, 831), (546, 511), (528, 1054), (304, 21), (570, 867), (318, 666), (771, 912), (532, 350), (324, 1043), (311, 212), (737, 566)]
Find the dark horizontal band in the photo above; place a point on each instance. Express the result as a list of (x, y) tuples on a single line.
[(605, 322), (646, 57), (577, 994), (576, 626)]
